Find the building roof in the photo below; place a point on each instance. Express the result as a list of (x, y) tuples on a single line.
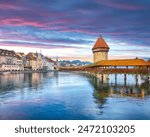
[(20, 53), (121, 62), (50, 60), (100, 43), (18, 56), (31, 56), (10, 53)]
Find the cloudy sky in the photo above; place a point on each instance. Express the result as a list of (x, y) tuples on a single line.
[(69, 28)]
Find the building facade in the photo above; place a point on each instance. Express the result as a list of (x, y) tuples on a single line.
[(8, 57), (50, 64), (100, 50), (31, 61), (39, 61), (9, 61), (56, 65)]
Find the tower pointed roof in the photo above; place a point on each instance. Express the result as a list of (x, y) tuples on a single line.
[(100, 43)]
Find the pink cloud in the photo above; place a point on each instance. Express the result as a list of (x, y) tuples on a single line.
[(118, 5), (20, 22), (30, 45), (56, 24)]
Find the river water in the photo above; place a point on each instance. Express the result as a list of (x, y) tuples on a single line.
[(74, 95)]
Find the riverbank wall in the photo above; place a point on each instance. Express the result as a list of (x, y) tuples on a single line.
[(25, 71)]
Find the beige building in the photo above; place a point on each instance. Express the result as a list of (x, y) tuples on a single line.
[(100, 50), (32, 61), (56, 65), (21, 58)]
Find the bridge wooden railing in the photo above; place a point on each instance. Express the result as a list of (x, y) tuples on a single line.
[(106, 70)]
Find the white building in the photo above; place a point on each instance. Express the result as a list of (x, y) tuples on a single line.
[(50, 64), (8, 61)]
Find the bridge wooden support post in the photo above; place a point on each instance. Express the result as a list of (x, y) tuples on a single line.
[(98, 77), (95, 72), (115, 79), (136, 79), (147, 69), (102, 78), (125, 80)]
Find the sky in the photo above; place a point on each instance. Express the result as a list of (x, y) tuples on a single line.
[(69, 28)]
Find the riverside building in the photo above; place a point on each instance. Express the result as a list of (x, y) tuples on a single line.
[(8, 61)]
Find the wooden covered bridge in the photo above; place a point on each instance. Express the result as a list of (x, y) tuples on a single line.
[(115, 66), (120, 66), (103, 65)]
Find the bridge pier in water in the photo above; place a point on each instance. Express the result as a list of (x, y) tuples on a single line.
[(125, 86)]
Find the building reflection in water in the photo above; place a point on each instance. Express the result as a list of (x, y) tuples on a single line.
[(56, 75), (11, 82), (105, 85), (118, 85)]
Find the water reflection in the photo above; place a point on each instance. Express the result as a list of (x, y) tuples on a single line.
[(74, 95), (112, 92), (106, 85)]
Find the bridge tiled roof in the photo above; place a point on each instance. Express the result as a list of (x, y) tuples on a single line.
[(121, 62)]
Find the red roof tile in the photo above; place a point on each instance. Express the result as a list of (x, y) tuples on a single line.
[(121, 62), (100, 43)]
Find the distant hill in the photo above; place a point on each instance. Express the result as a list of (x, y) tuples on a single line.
[(73, 63), (146, 58)]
